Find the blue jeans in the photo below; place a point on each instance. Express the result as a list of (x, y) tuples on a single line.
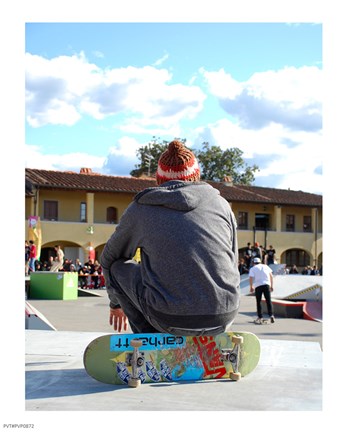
[(32, 264)]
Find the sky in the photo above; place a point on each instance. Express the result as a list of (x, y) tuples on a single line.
[(96, 92)]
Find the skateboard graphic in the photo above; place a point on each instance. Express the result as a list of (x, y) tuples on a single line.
[(133, 359)]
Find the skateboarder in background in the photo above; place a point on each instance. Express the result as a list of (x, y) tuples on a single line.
[(59, 259), (188, 281), (261, 282)]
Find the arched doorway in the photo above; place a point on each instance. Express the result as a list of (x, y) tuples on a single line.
[(298, 257), (98, 251), (72, 251)]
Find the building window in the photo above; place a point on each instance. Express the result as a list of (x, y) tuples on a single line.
[(262, 221), (307, 227), (297, 257), (50, 210), (83, 212), (290, 223), (112, 215), (243, 220)]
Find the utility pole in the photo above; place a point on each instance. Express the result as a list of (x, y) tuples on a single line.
[(148, 157), (148, 162)]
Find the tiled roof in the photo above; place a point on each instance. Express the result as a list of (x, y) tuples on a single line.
[(263, 195), (91, 181), (94, 182)]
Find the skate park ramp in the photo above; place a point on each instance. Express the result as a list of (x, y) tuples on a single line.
[(35, 320), (313, 311), (294, 296), (290, 287)]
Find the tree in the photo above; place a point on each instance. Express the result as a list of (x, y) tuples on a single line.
[(216, 164), (149, 156)]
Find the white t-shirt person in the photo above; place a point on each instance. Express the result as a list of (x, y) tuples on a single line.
[(261, 274), (261, 282)]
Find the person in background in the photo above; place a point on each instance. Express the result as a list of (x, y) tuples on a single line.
[(32, 256), (294, 270), (262, 283), (270, 255), (83, 275), (78, 265), (27, 257), (242, 267), (248, 255), (256, 253), (59, 259)]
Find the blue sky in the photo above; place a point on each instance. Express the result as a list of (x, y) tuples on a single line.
[(97, 92)]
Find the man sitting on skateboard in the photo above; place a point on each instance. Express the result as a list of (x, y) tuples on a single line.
[(187, 282)]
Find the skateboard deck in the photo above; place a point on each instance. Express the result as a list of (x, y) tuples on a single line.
[(132, 359)]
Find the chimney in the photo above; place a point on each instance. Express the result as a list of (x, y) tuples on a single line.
[(228, 181), (85, 171)]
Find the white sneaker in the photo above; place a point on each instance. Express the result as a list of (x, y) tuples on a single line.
[(258, 321), (272, 319)]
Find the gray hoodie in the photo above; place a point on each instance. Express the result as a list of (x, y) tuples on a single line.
[(189, 254)]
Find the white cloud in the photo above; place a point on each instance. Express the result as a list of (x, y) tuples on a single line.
[(126, 147), (35, 158), (291, 97), (287, 159), (226, 134), (222, 84), (62, 89), (54, 88), (161, 60), (121, 159)]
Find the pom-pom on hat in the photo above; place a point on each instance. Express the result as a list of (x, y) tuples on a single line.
[(177, 163)]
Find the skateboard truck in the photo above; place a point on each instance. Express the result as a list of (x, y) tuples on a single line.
[(233, 356), (135, 359)]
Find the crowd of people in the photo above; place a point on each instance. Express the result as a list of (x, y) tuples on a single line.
[(90, 275), (267, 256), (93, 269)]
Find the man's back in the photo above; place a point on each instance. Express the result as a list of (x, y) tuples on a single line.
[(261, 274), (187, 236)]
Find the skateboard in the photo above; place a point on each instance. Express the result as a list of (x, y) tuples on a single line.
[(133, 359), (263, 321)]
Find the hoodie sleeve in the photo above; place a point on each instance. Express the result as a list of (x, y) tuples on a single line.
[(121, 245)]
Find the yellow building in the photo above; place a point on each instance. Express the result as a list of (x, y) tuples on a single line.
[(80, 211)]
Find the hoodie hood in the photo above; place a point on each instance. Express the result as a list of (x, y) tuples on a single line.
[(177, 195)]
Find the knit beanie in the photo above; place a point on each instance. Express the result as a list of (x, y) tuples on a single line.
[(177, 163)]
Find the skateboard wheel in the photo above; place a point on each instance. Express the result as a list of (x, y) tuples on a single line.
[(134, 382), (235, 376), (237, 340), (140, 361), (136, 343)]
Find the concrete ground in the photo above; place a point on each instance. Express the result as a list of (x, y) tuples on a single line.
[(90, 314), (288, 377)]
